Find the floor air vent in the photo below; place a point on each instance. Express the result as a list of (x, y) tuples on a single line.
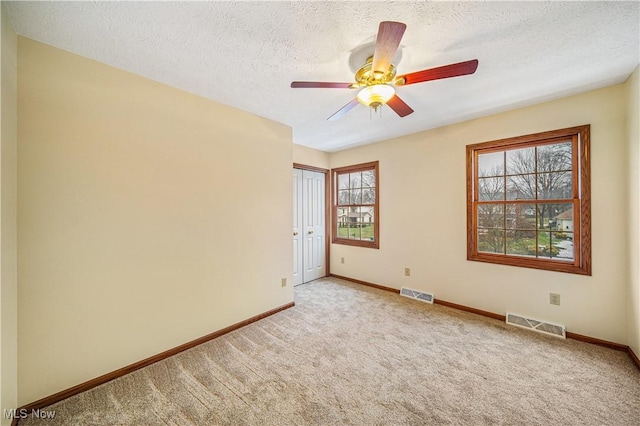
[(535, 325), (414, 294)]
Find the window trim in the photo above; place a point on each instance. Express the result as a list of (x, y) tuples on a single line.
[(373, 165), (581, 199)]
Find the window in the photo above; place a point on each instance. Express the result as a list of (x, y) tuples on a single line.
[(355, 205), (528, 201)]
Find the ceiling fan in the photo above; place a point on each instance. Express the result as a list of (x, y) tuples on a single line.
[(377, 78)]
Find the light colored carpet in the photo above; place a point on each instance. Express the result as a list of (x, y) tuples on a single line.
[(349, 354)]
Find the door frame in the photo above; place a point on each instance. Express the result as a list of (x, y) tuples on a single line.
[(327, 210)]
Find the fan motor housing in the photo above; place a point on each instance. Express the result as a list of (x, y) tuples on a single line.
[(365, 76)]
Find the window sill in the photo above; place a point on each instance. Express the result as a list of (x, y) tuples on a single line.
[(356, 243), (547, 265)]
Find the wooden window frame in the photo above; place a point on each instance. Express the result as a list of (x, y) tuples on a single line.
[(581, 199), (375, 244)]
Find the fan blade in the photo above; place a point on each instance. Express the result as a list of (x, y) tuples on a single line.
[(345, 109), (319, 85), (453, 70), (399, 106), (389, 36)]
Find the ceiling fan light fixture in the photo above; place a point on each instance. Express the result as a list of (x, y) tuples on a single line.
[(376, 95), (376, 79)]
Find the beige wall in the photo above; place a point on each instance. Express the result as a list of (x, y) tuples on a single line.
[(423, 219), (633, 128), (141, 221), (8, 213), (310, 157)]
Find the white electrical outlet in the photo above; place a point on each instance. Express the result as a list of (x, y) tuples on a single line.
[(554, 298), (284, 282), (407, 272)]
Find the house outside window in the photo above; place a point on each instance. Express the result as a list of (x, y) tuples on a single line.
[(528, 201), (355, 205)]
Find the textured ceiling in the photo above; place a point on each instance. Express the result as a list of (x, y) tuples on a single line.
[(245, 54)]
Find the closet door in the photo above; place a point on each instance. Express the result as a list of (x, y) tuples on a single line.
[(313, 225), (309, 243)]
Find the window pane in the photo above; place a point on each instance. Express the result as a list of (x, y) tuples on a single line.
[(368, 220), (555, 185), (368, 179), (564, 245), (544, 247), (354, 232), (521, 161), (354, 228), (353, 214), (342, 218), (343, 181), (491, 216), (521, 187), (356, 196), (521, 216), (343, 197), (491, 188), (355, 180), (554, 157), (491, 164), (547, 244), (367, 214), (368, 196), (521, 243), (367, 232), (491, 240), (556, 217)]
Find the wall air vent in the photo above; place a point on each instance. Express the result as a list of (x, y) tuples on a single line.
[(536, 325), (418, 295)]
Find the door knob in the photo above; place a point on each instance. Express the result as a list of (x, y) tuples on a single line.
[(310, 232), (295, 233)]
